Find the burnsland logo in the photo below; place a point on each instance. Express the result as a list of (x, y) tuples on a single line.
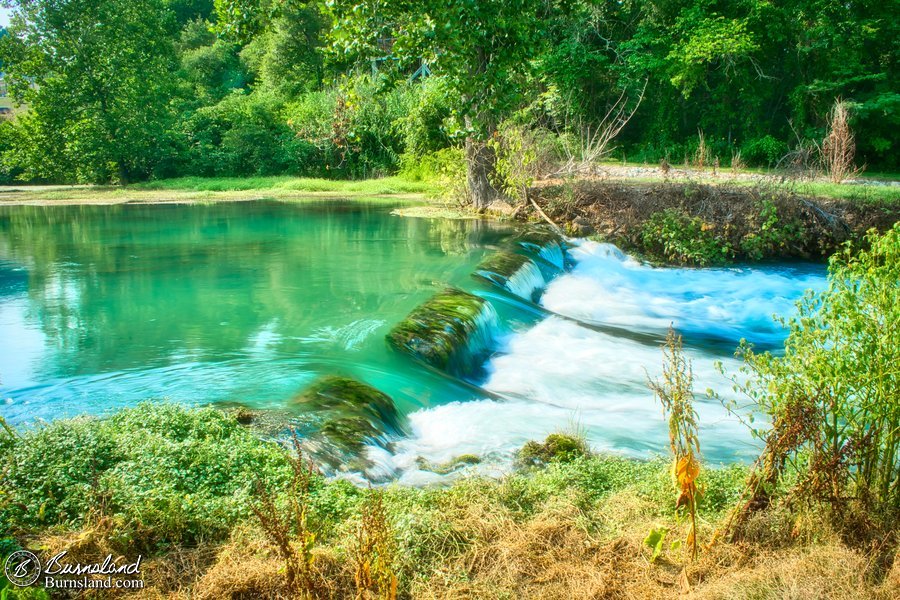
[(23, 568)]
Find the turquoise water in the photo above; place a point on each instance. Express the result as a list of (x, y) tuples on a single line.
[(105, 306)]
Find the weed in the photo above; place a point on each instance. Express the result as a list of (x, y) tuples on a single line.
[(675, 393), (557, 447), (287, 529), (839, 146), (702, 153), (375, 551)]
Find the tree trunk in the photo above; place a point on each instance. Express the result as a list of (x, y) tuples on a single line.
[(479, 166)]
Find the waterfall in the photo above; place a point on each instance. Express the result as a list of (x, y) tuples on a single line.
[(526, 281), (554, 254), (453, 331)]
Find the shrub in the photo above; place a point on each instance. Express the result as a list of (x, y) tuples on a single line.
[(673, 236), (832, 396), (772, 235), (763, 152), (426, 127), (244, 134), (355, 128)]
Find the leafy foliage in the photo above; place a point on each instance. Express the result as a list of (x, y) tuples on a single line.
[(129, 100), (164, 473), (831, 398), (675, 237), (98, 96)]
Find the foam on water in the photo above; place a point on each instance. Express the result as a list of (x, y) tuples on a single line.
[(608, 287), (562, 376)]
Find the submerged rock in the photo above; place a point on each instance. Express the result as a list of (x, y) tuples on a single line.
[(459, 462), (502, 263), (451, 331), (581, 227), (342, 416)]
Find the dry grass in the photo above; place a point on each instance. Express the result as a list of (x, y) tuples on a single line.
[(564, 550)]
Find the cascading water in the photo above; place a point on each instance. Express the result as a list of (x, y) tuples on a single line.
[(562, 374), (607, 287), (526, 281), (554, 254)]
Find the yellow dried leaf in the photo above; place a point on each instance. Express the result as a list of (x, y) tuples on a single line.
[(686, 471)]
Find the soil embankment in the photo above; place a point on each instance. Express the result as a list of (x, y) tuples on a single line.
[(743, 222)]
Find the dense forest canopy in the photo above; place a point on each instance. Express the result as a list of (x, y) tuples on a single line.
[(125, 90)]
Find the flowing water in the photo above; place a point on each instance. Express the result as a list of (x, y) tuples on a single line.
[(104, 306)]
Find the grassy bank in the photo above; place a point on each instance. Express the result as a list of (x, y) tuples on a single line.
[(219, 189), (184, 487), (367, 187)]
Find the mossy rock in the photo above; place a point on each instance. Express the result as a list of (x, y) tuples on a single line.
[(346, 414), (438, 332), (539, 238), (502, 263), (558, 447), (463, 460), (349, 396)]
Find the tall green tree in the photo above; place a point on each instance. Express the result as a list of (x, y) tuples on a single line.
[(96, 75), (484, 50)]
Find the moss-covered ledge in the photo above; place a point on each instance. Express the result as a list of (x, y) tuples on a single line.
[(439, 332)]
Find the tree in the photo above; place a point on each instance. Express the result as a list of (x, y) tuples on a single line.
[(483, 49), (286, 53), (96, 76)]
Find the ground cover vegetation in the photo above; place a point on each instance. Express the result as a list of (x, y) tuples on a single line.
[(220, 512)]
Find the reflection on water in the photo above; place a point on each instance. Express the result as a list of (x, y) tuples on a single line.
[(106, 305)]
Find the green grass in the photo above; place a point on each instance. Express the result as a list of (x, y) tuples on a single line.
[(376, 187), (865, 193)]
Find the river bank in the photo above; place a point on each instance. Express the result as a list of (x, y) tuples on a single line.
[(674, 217), (183, 487), (707, 222)]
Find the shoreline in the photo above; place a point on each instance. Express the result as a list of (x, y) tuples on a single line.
[(124, 196)]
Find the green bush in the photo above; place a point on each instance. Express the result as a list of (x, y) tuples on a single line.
[(672, 236), (244, 134), (763, 152), (772, 235), (832, 397), (427, 128), (356, 129)]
